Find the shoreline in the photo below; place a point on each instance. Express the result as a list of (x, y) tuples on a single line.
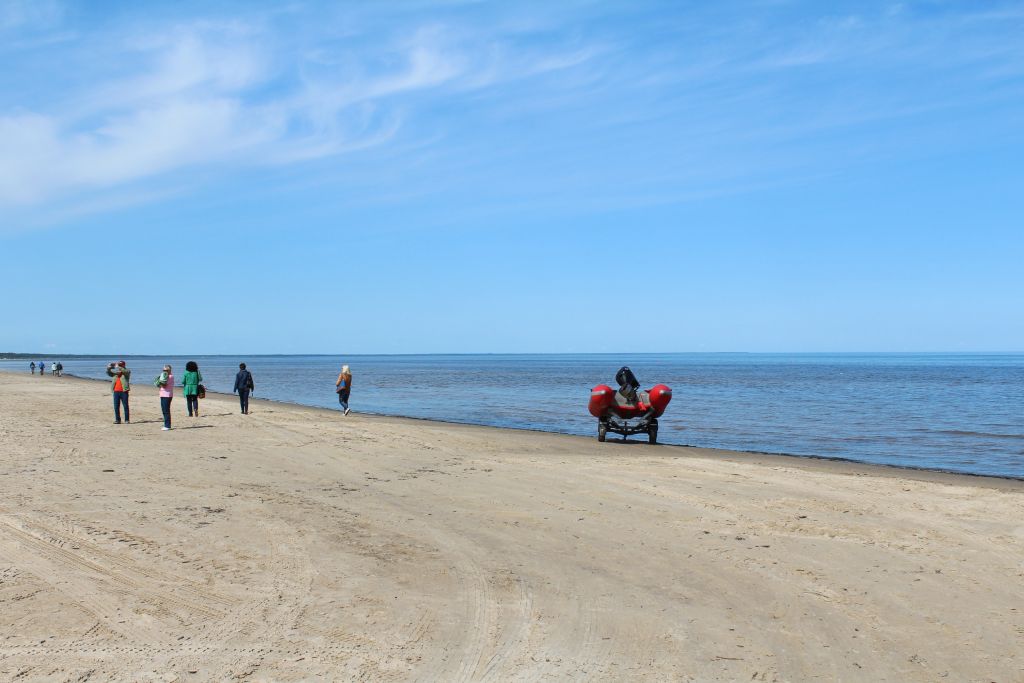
[(825, 463)]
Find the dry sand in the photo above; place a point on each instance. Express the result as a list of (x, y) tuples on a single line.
[(297, 544)]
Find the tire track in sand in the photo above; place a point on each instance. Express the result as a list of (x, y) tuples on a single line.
[(495, 629), (107, 593)]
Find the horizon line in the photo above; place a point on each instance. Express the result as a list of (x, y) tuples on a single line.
[(6, 356)]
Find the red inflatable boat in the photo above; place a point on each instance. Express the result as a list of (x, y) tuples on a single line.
[(628, 410)]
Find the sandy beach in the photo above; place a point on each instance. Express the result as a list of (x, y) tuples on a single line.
[(298, 544)]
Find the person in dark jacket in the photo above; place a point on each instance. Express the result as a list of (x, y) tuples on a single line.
[(243, 385)]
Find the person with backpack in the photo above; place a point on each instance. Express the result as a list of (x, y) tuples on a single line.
[(243, 385), (344, 387), (192, 388)]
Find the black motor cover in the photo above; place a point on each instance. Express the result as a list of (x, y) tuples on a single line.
[(628, 383)]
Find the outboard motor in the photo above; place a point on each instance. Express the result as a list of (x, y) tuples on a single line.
[(628, 383)]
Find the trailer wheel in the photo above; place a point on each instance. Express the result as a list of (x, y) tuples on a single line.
[(652, 434), (602, 431)]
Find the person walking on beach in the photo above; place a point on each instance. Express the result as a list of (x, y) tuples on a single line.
[(344, 387), (42, 368), (166, 383), (60, 369), (53, 368), (32, 367), (243, 385), (119, 387), (190, 387)]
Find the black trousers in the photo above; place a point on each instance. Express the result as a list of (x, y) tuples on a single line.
[(243, 399), (192, 402)]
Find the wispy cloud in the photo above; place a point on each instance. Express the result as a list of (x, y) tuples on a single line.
[(206, 93), (693, 101)]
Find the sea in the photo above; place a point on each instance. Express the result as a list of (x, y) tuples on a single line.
[(944, 411)]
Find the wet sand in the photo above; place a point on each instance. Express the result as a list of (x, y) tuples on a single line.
[(298, 544)]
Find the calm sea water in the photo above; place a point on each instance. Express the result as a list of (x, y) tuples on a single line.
[(958, 412)]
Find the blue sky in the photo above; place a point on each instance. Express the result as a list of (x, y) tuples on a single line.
[(401, 177)]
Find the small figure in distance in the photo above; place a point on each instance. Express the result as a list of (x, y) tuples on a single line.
[(243, 385), (344, 387), (53, 368), (119, 387), (60, 369), (42, 368), (32, 367), (190, 387), (166, 383)]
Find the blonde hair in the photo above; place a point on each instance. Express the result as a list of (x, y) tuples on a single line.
[(344, 369)]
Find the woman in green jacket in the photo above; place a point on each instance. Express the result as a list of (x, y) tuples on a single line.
[(190, 387)]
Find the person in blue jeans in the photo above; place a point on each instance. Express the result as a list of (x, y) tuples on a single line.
[(166, 384), (119, 387), (344, 387)]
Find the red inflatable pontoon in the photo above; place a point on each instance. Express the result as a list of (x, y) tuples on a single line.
[(615, 408)]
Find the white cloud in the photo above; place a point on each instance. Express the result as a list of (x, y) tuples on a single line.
[(196, 100), (206, 94), (38, 158), (210, 61)]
